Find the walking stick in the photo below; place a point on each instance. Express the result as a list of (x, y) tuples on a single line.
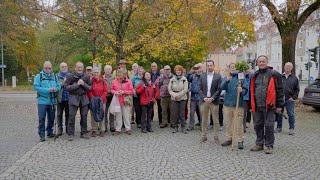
[(235, 115)]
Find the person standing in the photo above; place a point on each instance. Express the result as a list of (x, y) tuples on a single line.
[(210, 93), (267, 98), (147, 94), (136, 80), (246, 103), (63, 99), (78, 84), (231, 86), (165, 96), (109, 117), (98, 98), (123, 89), (291, 92), (178, 89), (195, 96), (155, 77), (47, 87)]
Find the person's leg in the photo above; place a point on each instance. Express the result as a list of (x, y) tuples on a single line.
[(198, 111), (204, 125), (83, 118), (66, 114), (42, 118), (119, 121), (106, 116), (137, 110), (193, 107), (182, 120), (221, 115), (214, 109), (126, 117), (51, 115), (71, 124), (258, 120), (164, 105), (143, 118), (245, 114), (149, 113), (159, 111), (269, 128), (94, 124), (228, 114), (60, 107), (240, 124), (174, 114), (291, 113)]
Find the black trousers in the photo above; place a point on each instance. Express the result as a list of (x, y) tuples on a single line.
[(137, 109), (264, 126), (146, 116), (62, 107), (83, 119)]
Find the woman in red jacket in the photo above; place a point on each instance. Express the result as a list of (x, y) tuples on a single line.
[(147, 92), (98, 89)]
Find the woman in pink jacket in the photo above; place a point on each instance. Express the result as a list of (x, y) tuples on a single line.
[(123, 89)]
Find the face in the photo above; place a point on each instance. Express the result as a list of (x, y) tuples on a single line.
[(89, 72), (154, 67), (141, 71), (178, 72), (120, 76), (47, 68), (122, 65), (108, 70), (63, 67), (288, 68), (232, 67), (167, 71), (197, 71), (79, 68), (147, 76), (135, 68), (262, 63), (210, 66), (95, 74)]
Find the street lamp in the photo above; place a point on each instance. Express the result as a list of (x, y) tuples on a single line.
[(2, 67)]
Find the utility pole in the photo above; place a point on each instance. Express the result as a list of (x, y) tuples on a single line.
[(2, 59), (309, 62)]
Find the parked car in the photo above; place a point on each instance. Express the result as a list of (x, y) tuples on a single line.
[(312, 95)]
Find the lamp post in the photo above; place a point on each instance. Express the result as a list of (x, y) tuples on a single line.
[(2, 59)]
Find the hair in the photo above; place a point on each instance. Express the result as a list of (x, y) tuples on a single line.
[(154, 63), (178, 67), (63, 63), (262, 56), (144, 79), (107, 66), (79, 62), (121, 72), (47, 63), (210, 61)]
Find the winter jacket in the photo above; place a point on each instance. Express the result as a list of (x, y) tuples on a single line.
[(147, 94), (163, 85), (290, 86), (247, 79), (124, 85), (136, 80), (99, 88), (230, 86), (78, 93), (63, 93), (43, 82), (266, 90), (178, 87), (155, 76), (194, 86)]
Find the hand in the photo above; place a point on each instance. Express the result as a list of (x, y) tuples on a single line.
[(121, 92), (80, 82), (53, 89), (176, 98), (209, 100), (278, 110)]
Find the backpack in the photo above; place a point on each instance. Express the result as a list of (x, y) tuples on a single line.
[(56, 94)]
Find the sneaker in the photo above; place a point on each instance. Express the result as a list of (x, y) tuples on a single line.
[(240, 145), (291, 132), (51, 135), (175, 130), (256, 148), (190, 129), (143, 131), (163, 125), (277, 130), (116, 133), (132, 122), (139, 125), (226, 143), (216, 139), (268, 150), (128, 132), (84, 136), (70, 138), (93, 134), (204, 139), (149, 130), (42, 139), (112, 130)]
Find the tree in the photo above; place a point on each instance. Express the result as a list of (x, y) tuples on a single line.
[(289, 21)]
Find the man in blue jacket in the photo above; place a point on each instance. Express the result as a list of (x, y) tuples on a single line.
[(47, 87)]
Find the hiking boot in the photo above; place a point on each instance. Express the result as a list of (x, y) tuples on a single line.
[(128, 132), (226, 143), (59, 133), (268, 150), (203, 139), (216, 139), (149, 130), (175, 130), (93, 134), (116, 133), (85, 136), (102, 134), (240, 145), (291, 132), (190, 129), (143, 131), (42, 139), (183, 130), (163, 125), (51, 135), (277, 130), (112, 130), (70, 138), (256, 148), (198, 124), (139, 125)]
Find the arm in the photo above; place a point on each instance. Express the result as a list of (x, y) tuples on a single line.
[(87, 84), (140, 88), (172, 94), (279, 91), (296, 89), (69, 85), (201, 93), (37, 86), (224, 85), (129, 88), (216, 95), (113, 87), (105, 92)]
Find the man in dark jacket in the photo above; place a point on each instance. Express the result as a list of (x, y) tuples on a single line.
[(210, 94), (78, 84), (155, 77), (165, 96), (267, 98), (291, 93), (63, 99)]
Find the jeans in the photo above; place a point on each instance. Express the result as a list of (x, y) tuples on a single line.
[(43, 111), (289, 105), (194, 108), (177, 113), (63, 106), (263, 121)]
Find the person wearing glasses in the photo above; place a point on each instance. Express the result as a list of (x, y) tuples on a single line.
[(47, 87)]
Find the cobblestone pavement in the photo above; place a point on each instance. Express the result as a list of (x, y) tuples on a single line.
[(163, 155)]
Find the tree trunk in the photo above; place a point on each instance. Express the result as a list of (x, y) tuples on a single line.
[(289, 48), (119, 49)]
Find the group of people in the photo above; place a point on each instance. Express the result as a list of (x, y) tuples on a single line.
[(117, 99)]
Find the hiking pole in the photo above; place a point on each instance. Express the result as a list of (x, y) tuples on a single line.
[(235, 114)]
